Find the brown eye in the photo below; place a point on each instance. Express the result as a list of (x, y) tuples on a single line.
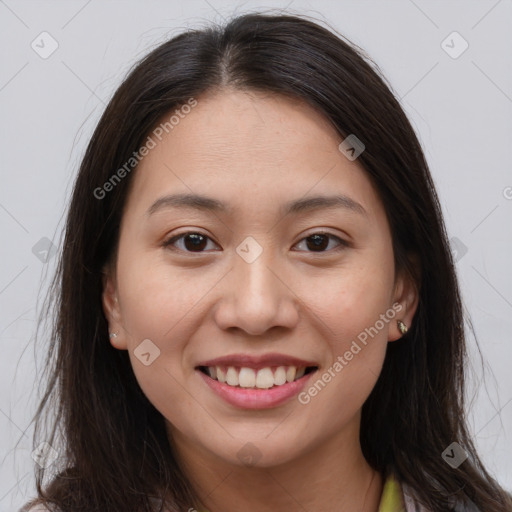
[(318, 242), (192, 241)]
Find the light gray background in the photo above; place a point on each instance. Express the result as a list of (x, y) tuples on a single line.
[(461, 109)]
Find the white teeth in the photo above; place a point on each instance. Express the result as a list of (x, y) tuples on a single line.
[(290, 373), (264, 378), (221, 376), (247, 378), (280, 376), (232, 376)]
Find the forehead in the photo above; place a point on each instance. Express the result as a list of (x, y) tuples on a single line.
[(234, 124), (248, 145)]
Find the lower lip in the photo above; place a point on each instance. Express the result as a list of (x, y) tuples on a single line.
[(256, 398)]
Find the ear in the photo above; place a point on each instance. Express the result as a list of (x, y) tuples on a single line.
[(112, 309), (406, 297)]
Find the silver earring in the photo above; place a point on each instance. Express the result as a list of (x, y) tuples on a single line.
[(401, 326), (113, 334)]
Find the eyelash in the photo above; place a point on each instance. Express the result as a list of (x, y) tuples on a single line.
[(168, 243)]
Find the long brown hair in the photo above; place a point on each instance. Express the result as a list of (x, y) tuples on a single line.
[(114, 451)]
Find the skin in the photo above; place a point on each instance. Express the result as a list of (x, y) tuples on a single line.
[(255, 152)]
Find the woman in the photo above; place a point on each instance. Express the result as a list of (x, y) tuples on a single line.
[(257, 305)]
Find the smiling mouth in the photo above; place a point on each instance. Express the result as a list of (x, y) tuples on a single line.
[(249, 378)]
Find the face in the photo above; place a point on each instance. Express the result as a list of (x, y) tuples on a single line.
[(252, 282)]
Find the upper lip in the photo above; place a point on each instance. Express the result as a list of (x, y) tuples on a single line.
[(257, 362)]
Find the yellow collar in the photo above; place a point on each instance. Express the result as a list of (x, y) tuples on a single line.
[(392, 497)]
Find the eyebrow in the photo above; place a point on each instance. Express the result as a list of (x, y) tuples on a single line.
[(205, 203)]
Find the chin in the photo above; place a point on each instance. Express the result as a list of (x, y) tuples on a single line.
[(259, 452)]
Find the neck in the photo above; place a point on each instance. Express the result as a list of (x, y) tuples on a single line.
[(332, 477)]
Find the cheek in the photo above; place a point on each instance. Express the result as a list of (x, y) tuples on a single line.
[(355, 324), (156, 304), (351, 300), (354, 306), (356, 312), (156, 298), (163, 386)]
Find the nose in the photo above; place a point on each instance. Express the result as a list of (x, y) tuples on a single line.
[(256, 297)]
